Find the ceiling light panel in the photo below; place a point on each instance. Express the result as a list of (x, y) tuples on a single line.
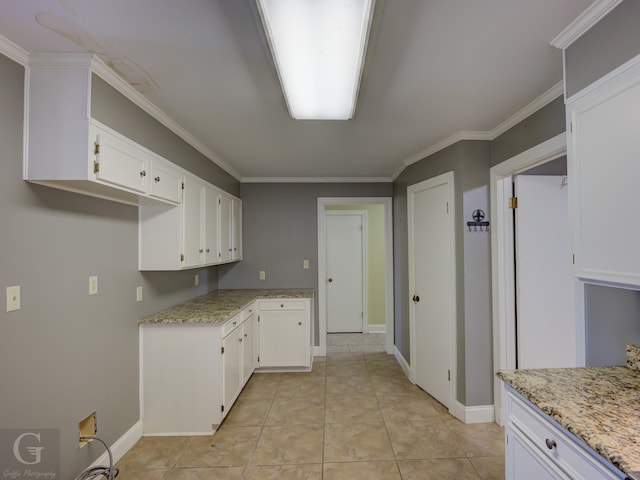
[(318, 47)]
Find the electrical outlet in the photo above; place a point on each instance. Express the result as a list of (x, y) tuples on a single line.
[(305, 264), (138, 294), (93, 285), (263, 275), (13, 298), (87, 427), (196, 280)]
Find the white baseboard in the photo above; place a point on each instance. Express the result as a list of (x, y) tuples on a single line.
[(403, 363), (320, 351), (121, 446), (474, 414), (376, 328)]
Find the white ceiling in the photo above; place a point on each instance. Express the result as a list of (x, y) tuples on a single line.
[(434, 68)]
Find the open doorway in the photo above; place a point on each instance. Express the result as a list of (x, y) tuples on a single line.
[(375, 315), (503, 252)]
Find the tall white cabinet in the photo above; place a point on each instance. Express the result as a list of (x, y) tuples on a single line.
[(604, 168)]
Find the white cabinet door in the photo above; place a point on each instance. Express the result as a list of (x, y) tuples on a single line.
[(284, 333), (524, 462), (165, 182), (191, 208), (236, 229), (210, 226), (232, 367), (604, 152), (118, 161), (224, 204), (249, 354)]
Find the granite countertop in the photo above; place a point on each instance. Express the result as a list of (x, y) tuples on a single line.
[(220, 305), (599, 405)]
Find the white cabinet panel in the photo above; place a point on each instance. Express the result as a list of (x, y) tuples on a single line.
[(165, 181), (604, 152), (249, 347), (232, 366), (285, 339), (210, 226), (192, 216)]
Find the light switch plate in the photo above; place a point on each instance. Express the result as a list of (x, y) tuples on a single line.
[(196, 280), (263, 275), (138, 294), (305, 264), (93, 285), (13, 298)]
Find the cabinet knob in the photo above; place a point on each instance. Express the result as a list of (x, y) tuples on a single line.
[(240, 339), (235, 323), (208, 250), (157, 179), (245, 335), (282, 305), (200, 250), (551, 444), (143, 173), (299, 323)]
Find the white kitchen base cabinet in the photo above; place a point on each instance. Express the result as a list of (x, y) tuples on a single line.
[(285, 333), (538, 449), (192, 373)]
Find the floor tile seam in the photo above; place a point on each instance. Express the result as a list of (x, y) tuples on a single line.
[(255, 446), (191, 440)]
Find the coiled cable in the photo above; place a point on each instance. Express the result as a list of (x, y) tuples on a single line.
[(109, 472)]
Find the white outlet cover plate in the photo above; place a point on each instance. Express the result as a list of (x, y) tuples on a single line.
[(93, 285), (262, 275), (13, 298), (196, 280), (138, 294)]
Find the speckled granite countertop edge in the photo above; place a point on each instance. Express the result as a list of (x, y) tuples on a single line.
[(219, 306), (599, 405)]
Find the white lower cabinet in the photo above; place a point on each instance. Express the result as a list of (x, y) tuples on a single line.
[(192, 373), (285, 333), (538, 449)]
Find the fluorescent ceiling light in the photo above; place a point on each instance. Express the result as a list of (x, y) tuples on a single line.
[(318, 47)]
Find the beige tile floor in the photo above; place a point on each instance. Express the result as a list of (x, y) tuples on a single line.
[(355, 416)]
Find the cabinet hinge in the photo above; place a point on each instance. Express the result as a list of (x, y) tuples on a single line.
[(222, 408), (182, 257), (512, 202), (258, 358), (182, 185), (96, 167), (571, 127), (574, 258), (221, 349), (447, 207), (449, 375), (96, 148)]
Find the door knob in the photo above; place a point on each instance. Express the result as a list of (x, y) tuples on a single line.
[(330, 280), (416, 298)]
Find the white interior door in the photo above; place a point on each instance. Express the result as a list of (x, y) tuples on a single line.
[(432, 273), (546, 326), (344, 267)]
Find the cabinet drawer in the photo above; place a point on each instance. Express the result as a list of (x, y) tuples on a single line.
[(230, 325), (577, 462), (283, 304), (248, 311)]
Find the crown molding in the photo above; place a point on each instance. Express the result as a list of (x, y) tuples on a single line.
[(587, 19), (316, 180), (542, 101), (529, 109), (116, 81), (13, 51)]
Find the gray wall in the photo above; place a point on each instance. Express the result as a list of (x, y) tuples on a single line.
[(469, 160), (612, 322), (606, 46), (114, 110), (280, 230), (65, 353), (542, 125)]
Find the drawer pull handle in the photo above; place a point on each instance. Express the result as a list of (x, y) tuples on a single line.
[(551, 444), (235, 323), (282, 305)]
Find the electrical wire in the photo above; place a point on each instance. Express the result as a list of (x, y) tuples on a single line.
[(109, 472)]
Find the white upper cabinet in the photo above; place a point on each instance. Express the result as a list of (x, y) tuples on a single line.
[(604, 169), (197, 233), (68, 149)]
